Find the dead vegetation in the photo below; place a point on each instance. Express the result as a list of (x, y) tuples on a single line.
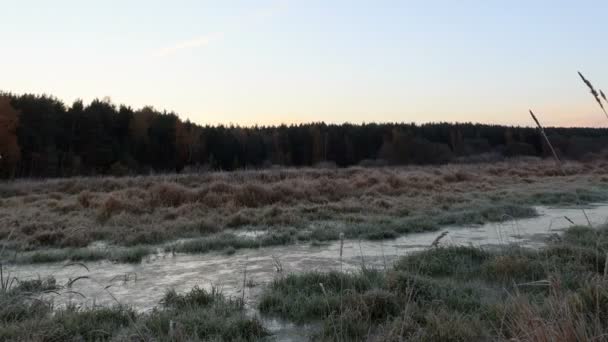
[(150, 209)]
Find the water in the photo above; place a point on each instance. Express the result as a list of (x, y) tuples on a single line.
[(142, 286)]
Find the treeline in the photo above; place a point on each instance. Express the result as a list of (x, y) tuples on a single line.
[(41, 136)]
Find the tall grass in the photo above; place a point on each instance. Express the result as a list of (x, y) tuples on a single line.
[(594, 93), (557, 159)]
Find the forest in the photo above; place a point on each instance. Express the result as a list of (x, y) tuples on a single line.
[(40, 136)]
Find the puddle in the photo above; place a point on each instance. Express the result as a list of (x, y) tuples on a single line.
[(142, 286)]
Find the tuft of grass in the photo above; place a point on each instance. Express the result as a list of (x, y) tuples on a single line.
[(36, 285), (230, 242), (120, 255), (197, 315), (196, 297), (132, 255), (300, 298)]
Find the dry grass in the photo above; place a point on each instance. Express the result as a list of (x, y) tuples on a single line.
[(150, 209), (558, 293)]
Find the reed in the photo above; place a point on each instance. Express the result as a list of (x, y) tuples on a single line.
[(438, 239), (595, 94), (244, 281), (558, 161), (329, 310), (546, 138), (341, 279)]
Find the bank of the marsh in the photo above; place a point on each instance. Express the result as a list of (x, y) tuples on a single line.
[(557, 293), (483, 208), (449, 292), (197, 315), (142, 285)]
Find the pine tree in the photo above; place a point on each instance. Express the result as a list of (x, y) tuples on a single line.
[(10, 152)]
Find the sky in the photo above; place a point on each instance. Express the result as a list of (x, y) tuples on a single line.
[(291, 61)]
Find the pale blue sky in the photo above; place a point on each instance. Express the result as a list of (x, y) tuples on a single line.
[(273, 61)]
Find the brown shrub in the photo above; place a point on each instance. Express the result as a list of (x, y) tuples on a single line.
[(51, 203), (395, 181), (111, 206), (108, 184), (47, 238), (30, 199), (221, 187), (240, 219), (380, 203), (290, 191), (136, 193), (170, 194), (65, 208), (170, 216), (379, 189), (85, 198), (56, 195), (76, 239), (254, 195), (366, 180), (31, 228), (213, 200), (458, 176)]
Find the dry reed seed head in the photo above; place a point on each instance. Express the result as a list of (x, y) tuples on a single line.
[(593, 91), (589, 85), (535, 119)]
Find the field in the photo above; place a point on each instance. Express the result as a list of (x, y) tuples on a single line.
[(63, 216), (557, 293)]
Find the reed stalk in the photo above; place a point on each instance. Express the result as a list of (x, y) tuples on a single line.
[(329, 311), (595, 94), (244, 282), (558, 161), (438, 239), (341, 278)]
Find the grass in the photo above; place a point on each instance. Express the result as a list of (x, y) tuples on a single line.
[(229, 242), (131, 255), (558, 293), (388, 229), (130, 211), (55, 220), (198, 315)]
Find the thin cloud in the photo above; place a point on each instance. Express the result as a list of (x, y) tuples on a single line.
[(248, 20), (190, 44)]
